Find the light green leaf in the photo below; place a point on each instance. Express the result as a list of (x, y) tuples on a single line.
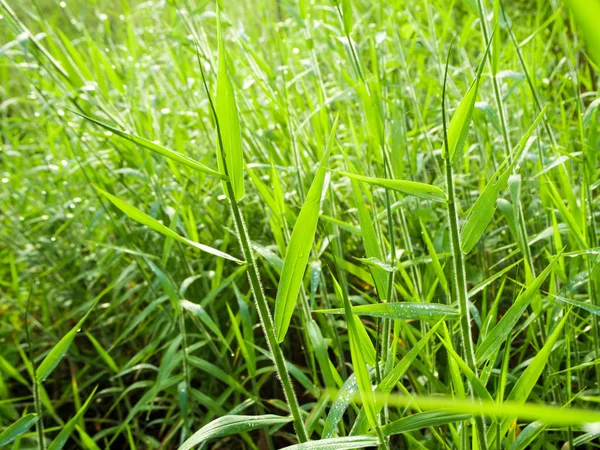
[(400, 310), (156, 148), (143, 218), (229, 123), (483, 210), (18, 428), (228, 425), (298, 251), (60, 440), (586, 13), (583, 305), (343, 443), (435, 262), (421, 190)]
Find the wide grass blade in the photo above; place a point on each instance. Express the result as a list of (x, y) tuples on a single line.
[(483, 210), (298, 251), (419, 421), (586, 13), (400, 310), (18, 428), (143, 218), (229, 123), (342, 443), (416, 189), (228, 425)]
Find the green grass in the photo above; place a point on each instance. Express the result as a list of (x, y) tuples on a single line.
[(292, 224)]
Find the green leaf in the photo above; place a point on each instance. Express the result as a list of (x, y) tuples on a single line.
[(56, 354), (421, 190), (156, 148), (458, 129), (60, 440), (419, 421), (298, 251), (229, 123), (583, 305), (435, 262), (228, 425), (342, 443), (18, 428), (143, 218), (483, 210), (400, 310), (586, 13), (500, 332), (347, 16)]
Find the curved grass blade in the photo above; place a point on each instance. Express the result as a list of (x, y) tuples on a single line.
[(60, 440), (500, 332), (18, 428), (586, 13), (583, 305), (422, 420), (400, 310), (156, 148), (343, 443), (228, 425), (229, 123), (416, 189), (298, 251), (483, 210), (143, 218)]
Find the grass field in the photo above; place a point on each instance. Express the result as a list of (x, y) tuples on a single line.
[(299, 224)]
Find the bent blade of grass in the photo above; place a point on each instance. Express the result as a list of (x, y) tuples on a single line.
[(298, 251), (583, 305), (18, 428), (483, 210), (156, 148), (414, 188), (341, 443), (228, 425), (229, 123), (400, 310), (143, 218), (545, 413), (59, 441), (501, 331)]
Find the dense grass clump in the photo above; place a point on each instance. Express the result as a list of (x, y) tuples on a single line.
[(297, 224)]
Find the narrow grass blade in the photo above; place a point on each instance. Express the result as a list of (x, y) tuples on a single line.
[(156, 148), (435, 262), (421, 190), (18, 428), (419, 421), (143, 218), (483, 210), (228, 425), (298, 251), (583, 305), (497, 336), (342, 443), (400, 310), (60, 440), (229, 123)]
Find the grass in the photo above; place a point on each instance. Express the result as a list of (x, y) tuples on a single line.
[(291, 224)]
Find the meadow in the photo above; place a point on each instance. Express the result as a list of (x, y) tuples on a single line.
[(299, 224)]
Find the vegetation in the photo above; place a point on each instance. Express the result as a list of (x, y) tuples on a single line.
[(293, 224)]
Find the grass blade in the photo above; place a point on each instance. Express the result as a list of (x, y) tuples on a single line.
[(60, 440), (400, 310), (18, 428), (228, 425), (156, 148), (298, 251), (343, 443), (421, 190), (229, 123), (143, 218)]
